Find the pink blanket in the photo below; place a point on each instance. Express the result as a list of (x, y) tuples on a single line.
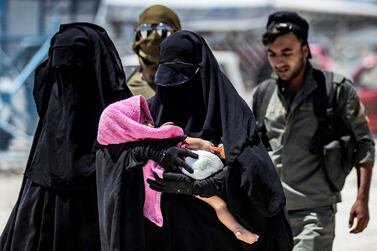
[(122, 122)]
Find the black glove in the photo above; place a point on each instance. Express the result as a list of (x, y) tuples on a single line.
[(173, 158), (181, 184), (172, 183), (160, 143), (170, 159)]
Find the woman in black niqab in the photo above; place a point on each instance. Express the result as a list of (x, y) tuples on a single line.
[(194, 94), (57, 205)]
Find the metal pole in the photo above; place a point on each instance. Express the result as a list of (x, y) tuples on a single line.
[(73, 10), (42, 16), (3, 23)]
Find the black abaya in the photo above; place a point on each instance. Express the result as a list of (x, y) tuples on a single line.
[(57, 205), (205, 105), (204, 102)]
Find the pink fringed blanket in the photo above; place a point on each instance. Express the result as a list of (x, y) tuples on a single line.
[(123, 122)]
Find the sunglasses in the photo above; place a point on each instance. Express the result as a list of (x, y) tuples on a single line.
[(162, 29), (284, 26)]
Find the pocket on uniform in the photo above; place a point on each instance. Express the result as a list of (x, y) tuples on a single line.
[(325, 216)]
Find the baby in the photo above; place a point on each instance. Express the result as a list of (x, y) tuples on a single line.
[(130, 121)]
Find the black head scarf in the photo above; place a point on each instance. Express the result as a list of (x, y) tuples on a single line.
[(193, 93), (200, 98), (82, 75)]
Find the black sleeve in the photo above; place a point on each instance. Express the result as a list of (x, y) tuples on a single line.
[(153, 149), (213, 185)]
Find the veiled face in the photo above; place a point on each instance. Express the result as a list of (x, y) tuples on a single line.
[(183, 104), (191, 100)]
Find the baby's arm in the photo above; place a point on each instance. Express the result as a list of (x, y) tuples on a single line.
[(198, 144)]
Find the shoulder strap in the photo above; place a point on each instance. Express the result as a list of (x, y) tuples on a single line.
[(333, 81), (320, 95), (324, 102), (262, 97)]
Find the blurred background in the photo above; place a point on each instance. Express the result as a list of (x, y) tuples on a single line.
[(342, 37)]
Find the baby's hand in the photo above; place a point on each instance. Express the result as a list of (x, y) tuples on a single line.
[(167, 123), (199, 144)]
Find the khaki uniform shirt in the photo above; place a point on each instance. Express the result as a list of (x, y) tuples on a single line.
[(290, 126), (138, 86)]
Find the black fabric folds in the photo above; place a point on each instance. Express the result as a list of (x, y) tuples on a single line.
[(209, 107), (206, 105), (81, 76), (175, 73), (189, 224), (57, 206)]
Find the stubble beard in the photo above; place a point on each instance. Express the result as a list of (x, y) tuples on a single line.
[(296, 71)]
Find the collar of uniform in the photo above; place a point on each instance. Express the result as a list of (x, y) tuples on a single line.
[(309, 82), (274, 75), (308, 86)]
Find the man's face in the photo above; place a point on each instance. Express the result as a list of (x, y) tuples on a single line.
[(287, 56)]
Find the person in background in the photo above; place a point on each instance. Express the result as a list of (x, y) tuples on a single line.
[(296, 123), (155, 24)]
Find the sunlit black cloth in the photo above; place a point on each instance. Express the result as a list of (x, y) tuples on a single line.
[(57, 206), (208, 106)]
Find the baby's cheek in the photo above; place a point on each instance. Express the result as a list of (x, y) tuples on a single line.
[(185, 145)]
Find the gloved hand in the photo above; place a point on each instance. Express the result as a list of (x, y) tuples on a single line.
[(172, 183), (179, 183), (173, 158), (170, 159)]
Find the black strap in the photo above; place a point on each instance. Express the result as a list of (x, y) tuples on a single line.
[(263, 96), (324, 104), (321, 107)]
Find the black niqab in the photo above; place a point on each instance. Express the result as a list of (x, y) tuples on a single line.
[(83, 74)]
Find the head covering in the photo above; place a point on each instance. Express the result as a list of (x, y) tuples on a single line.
[(82, 75), (208, 106), (205, 104), (299, 24), (282, 22), (159, 14), (148, 48), (122, 122)]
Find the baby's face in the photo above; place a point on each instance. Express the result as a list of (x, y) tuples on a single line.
[(144, 120)]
